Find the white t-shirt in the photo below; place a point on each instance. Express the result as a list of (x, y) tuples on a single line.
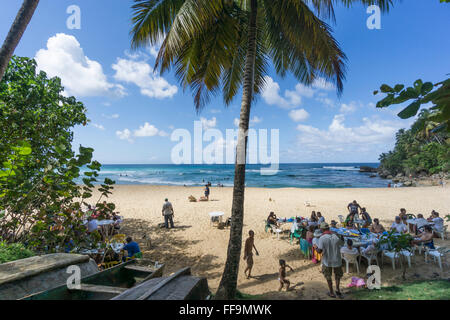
[(346, 250), (399, 227), (167, 208), (330, 244), (294, 226), (438, 224), (420, 222)]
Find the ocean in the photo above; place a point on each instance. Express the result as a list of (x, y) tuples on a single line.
[(297, 175)]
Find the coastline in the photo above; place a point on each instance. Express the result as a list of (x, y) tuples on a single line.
[(203, 247)]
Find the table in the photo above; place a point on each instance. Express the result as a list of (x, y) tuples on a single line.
[(214, 214)]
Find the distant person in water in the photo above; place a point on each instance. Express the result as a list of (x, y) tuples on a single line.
[(282, 275), (248, 253), (168, 213), (207, 191)]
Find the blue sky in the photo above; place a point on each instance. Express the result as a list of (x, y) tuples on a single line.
[(133, 110)]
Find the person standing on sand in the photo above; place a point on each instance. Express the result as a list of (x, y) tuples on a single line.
[(167, 212), (248, 252), (282, 275), (330, 245), (207, 192)]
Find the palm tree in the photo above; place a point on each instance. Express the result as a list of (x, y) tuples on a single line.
[(15, 33), (228, 44)]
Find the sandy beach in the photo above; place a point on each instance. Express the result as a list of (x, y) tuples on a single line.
[(194, 242)]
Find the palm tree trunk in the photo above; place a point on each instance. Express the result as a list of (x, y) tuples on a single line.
[(228, 283), (15, 33)]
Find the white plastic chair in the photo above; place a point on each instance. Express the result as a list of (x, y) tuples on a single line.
[(407, 254), (369, 257), (441, 233), (277, 231), (391, 255), (437, 255), (350, 258)]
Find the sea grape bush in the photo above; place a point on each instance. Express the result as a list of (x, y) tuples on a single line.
[(40, 202)]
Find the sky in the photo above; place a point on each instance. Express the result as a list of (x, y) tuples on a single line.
[(134, 110)]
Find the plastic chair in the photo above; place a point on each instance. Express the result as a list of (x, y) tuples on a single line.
[(408, 255), (276, 230), (441, 233), (391, 255), (350, 258), (370, 257), (437, 255)]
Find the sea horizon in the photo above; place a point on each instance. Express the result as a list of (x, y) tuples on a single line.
[(297, 175)]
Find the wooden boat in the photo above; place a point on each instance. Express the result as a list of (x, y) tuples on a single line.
[(104, 285), (179, 286)]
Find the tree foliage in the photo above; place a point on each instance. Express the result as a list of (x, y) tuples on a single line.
[(421, 94), (40, 201), (419, 149)]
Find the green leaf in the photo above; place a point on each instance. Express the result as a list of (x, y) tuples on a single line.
[(385, 88), (410, 110)]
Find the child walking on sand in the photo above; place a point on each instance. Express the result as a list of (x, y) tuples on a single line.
[(282, 275)]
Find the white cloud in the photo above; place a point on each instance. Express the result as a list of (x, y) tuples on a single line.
[(293, 98), (343, 143), (253, 121), (112, 116), (348, 108), (148, 130), (322, 84), (207, 124), (124, 135), (326, 101), (271, 95), (215, 111), (81, 76), (142, 75), (98, 126), (298, 115)]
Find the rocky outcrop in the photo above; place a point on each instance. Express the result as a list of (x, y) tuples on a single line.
[(367, 169)]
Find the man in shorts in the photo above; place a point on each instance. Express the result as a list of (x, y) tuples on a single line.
[(248, 252), (330, 247)]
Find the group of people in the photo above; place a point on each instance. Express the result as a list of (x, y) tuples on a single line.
[(328, 247)]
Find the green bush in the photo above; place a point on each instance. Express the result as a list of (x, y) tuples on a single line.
[(13, 251)]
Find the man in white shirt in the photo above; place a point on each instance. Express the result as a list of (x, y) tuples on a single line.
[(329, 245), (348, 249), (399, 226)]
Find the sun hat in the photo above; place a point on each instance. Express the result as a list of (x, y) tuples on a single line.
[(324, 225), (317, 233)]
